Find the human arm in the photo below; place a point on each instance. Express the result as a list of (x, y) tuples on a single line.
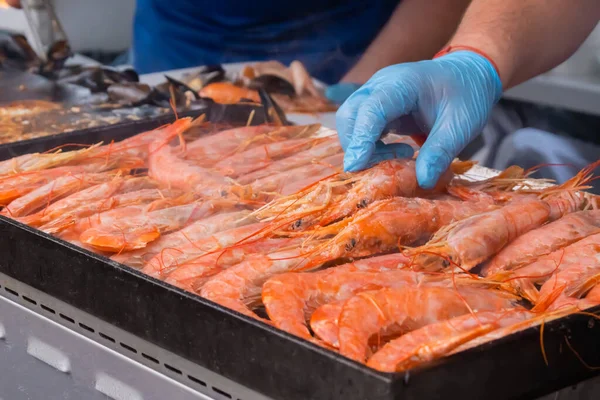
[(453, 94), (527, 37), (416, 30)]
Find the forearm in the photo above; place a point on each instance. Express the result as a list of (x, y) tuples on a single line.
[(526, 37), (416, 31)]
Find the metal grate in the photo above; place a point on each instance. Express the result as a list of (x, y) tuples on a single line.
[(174, 370)]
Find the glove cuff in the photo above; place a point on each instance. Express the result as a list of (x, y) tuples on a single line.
[(495, 71), (449, 49)]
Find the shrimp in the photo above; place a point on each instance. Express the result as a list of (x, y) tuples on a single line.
[(170, 258), (340, 196), (17, 185), (228, 93), (207, 151), (191, 233), (136, 232), (325, 319), (406, 309), (386, 224), (239, 287), (473, 240), (138, 146), (98, 192), (41, 161), (53, 191), (290, 297), (167, 167), (259, 157), (281, 184), (436, 340), (329, 147), (584, 252), (193, 275), (534, 320), (74, 216), (541, 241)]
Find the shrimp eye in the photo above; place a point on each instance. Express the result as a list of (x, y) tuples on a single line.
[(351, 244), (297, 224), (362, 204)]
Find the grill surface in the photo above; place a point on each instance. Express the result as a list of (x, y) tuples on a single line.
[(259, 357)]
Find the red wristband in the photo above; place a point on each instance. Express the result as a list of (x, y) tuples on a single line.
[(450, 49)]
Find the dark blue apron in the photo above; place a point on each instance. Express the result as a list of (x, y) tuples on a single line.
[(328, 36)]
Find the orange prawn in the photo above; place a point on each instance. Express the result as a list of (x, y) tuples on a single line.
[(290, 297), (406, 309), (473, 240), (207, 151), (82, 214), (137, 231), (386, 224), (98, 192), (167, 167), (584, 252), (329, 147), (193, 275), (544, 240), (436, 340), (342, 195), (259, 157), (239, 286), (191, 233), (170, 258), (53, 191)]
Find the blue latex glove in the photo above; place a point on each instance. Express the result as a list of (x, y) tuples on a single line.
[(339, 92), (451, 95)]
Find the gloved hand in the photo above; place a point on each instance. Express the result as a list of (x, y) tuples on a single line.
[(339, 92), (451, 95)]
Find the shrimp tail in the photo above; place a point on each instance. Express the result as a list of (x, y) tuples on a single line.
[(528, 290), (583, 287), (544, 302), (460, 167)]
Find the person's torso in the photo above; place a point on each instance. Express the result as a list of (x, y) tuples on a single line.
[(326, 35)]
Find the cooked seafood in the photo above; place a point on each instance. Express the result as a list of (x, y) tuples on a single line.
[(263, 216)]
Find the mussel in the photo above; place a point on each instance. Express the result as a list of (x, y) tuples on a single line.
[(273, 84), (56, 57), (205, 76)]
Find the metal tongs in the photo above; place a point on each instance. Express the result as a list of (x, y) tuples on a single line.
[(49, 39)]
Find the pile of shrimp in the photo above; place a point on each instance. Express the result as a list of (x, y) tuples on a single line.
[(262, 220)]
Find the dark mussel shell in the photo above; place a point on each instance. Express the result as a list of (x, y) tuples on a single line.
[(211, 74), (182, 87), (129, 93), (272, 84), (121, 75), (205, 75), (56, 57), (97, 79)]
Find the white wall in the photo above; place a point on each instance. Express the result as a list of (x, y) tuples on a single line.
[(90, 24)]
